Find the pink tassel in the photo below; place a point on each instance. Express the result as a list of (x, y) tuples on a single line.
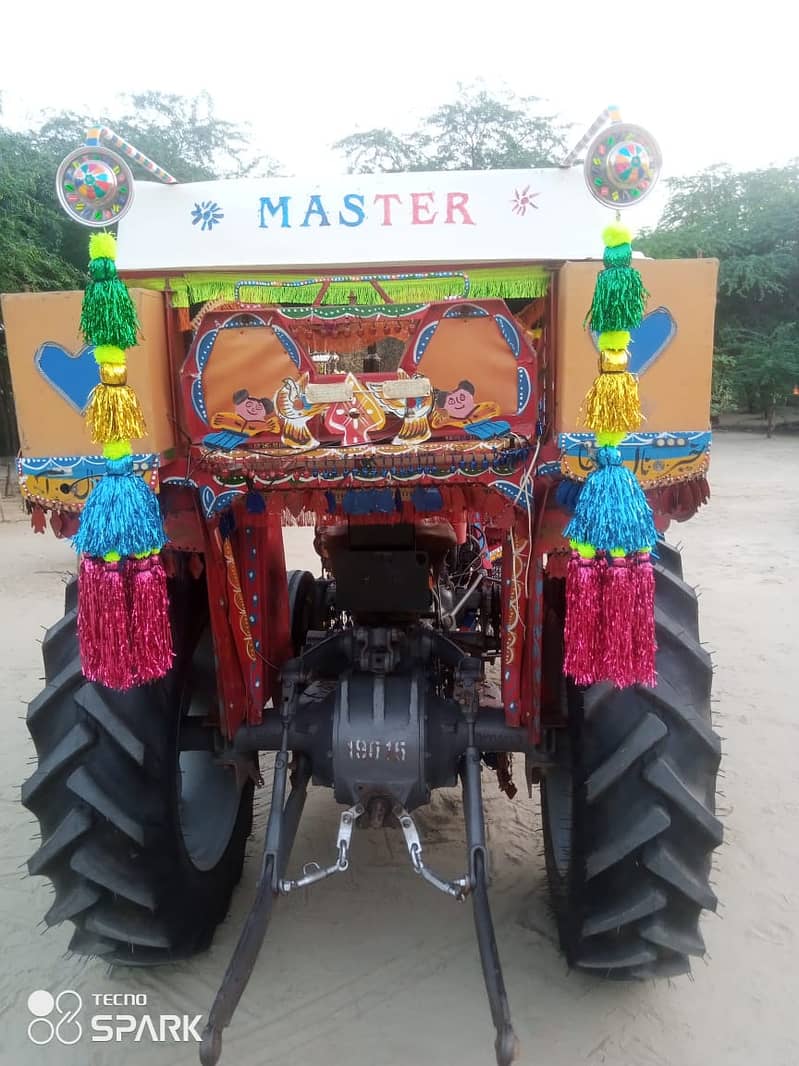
[(151, 634), (618, 653), (103, 624), (582, 632), (643, 626)]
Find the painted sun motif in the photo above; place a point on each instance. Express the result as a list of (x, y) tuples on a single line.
[(522, 199), (208, 213)]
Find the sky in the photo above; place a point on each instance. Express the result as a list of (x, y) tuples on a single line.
[(714, 82)]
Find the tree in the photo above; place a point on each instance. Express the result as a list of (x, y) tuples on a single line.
[(182, 134), (476, 131), (40, 248), (750, 222)]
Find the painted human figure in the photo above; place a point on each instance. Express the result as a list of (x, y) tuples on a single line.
[(458, 402), (252, 408), (458, 407)]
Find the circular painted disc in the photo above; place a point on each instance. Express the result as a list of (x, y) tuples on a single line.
[(94, 186), (622, 165)]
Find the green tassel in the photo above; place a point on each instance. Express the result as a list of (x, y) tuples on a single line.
[(108, 315), (619, 296)]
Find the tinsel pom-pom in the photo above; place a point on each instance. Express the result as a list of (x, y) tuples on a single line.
[(613, 340), (150, 631), (103, 624), (612, 511), (107, 316), (616, 233), (618, 654), (121, 515), (584, 583), (612, 404), (104, 246), (619, 300), (643, 624), (114, 413)]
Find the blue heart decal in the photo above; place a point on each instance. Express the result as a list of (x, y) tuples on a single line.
[(72, 376), (650, 339)]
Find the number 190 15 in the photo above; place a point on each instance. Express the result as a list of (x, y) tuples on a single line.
[(389, 750)]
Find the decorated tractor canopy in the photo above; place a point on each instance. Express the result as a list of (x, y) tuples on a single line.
[(403, 348), (488, 407)]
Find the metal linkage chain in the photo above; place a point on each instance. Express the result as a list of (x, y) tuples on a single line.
[(312, 871), (459, 889)]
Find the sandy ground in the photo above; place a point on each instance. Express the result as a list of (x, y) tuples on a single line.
[(377, 969)]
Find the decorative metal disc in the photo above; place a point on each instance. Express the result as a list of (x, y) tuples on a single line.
[(622, 165), (94, 186)]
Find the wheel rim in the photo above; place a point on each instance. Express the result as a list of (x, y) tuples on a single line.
[(209, 793)]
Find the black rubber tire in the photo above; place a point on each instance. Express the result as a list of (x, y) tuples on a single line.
[(302, 605), (630, 829), (107, 794)]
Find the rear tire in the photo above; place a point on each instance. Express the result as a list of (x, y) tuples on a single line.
[(143, 844), (629, 822)]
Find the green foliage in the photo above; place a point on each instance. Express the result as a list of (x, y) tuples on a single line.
[(476, 131), (750, 222), (40, 248), (34, 232)]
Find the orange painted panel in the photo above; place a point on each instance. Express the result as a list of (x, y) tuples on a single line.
[(674, 365), (49, 424)]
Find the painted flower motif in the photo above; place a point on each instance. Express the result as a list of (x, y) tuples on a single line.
[(208, 214)]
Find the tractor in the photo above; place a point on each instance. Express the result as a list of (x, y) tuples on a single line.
[(400, 362)]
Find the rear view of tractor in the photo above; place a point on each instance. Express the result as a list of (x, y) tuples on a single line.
[(489, 437)]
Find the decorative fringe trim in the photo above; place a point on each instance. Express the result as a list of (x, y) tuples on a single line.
[(103, 625), (584, 583), (680, 501), (121, 515), (609, 633), (107, 315), (643, 623), (525, 283), (150, 631), (114, 413), (619, 297), (617, 663), (612, 511), (612, 404)]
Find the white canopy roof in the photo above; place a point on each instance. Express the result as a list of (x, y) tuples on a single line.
[(388, 221)]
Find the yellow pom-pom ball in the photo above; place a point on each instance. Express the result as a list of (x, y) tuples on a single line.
[(616, 233), (613, 340), (609, 440), (102, 246), (109, 353), (585, 550), (117, 449)]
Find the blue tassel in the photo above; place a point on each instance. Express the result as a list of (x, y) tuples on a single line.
[(567, 494), (254, 502), (612, 511), (121, 515), (227, 524)]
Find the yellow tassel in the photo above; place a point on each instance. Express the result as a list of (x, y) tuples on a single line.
[(612, 405), (114, 414)]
